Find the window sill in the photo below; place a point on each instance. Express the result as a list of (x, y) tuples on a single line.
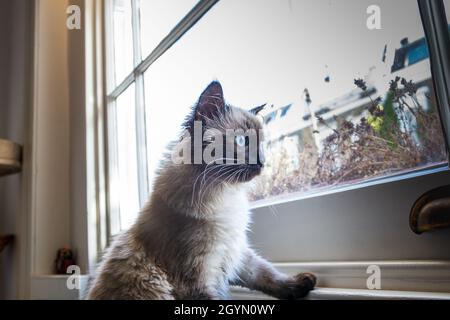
[(238, 293), (345, 280), (336, 280), (396, 275), (54, 287)]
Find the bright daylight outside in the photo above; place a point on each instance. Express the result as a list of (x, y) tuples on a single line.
[(344, 104)]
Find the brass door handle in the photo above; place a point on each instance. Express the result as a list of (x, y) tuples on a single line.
[(431, 211)]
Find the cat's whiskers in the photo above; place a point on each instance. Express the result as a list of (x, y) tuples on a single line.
[(233, 178), (220, 166), (203, 173), (215, 165), (242, 174), (203, 189), (203, 185), (210, 170)]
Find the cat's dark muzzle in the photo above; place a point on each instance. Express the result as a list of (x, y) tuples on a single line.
[(254, 170), (257, 166)]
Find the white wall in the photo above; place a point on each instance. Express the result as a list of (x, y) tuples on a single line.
[(50, 198)]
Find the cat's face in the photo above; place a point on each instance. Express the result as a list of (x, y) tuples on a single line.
[(231, 139)]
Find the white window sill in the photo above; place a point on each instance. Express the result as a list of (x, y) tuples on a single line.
[(54, 287), (336, 280), (238, 293)]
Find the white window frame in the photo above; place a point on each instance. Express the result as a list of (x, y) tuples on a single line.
[(339, 231)]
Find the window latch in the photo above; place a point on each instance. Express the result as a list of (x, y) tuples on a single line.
[(431, 211)]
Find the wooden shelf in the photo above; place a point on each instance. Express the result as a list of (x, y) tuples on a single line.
[(10, 157)]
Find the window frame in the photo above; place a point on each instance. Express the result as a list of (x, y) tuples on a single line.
[(413, 183), (435, 24)]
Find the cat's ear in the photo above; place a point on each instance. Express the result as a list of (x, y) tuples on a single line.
[(257, 109), (211, 103)]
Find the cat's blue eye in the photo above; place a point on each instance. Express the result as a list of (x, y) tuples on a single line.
[(240, 140)]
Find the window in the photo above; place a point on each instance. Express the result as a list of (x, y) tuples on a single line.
[(158, 18), (343, 109), (373, 117)]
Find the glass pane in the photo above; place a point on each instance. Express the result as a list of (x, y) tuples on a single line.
[(123, 39), (158, 18), (127, 186), (323, 129)]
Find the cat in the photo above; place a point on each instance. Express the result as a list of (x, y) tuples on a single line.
[(189, 241)]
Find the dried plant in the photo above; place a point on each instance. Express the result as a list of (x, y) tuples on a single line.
[(397, 135)]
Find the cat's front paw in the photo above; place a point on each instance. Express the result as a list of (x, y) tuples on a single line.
[(298, 286)]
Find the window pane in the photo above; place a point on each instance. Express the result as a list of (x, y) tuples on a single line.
[(127, 184), (123, 39), (322, 129), (158, 18)]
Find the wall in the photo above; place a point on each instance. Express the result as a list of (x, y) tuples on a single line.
[(42, 107), (50, 212), (58, 211), (15, 79), (77, 115)]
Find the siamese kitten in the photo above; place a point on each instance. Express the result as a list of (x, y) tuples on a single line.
[(190, 240)]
